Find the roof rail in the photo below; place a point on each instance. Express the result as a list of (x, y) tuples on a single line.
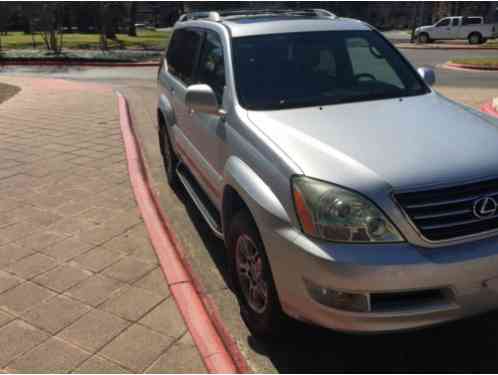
[(213, 16), (219, 15), (322, 12)]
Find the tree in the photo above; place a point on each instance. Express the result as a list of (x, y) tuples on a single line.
[(492, 11), (103, 25), (51, 25), (414, 22), (4, 18), (86, 16), (132, 19), (29, 12)]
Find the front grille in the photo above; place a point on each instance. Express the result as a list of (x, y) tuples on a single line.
[(445, 214)]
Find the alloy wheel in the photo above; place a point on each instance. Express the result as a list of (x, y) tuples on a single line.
[(249, 268)]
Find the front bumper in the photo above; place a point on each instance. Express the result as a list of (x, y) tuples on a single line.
[(467, 273)]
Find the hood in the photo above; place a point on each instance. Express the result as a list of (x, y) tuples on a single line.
[(405, 143), (422, 28)]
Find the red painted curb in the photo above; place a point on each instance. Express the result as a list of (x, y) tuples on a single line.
[(488, 108), (78, 63), (218, 354), (471, 67)]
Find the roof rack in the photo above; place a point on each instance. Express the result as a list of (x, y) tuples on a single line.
[(219, 15)]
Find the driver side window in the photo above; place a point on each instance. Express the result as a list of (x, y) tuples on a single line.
[(212, 65), (443, 23)]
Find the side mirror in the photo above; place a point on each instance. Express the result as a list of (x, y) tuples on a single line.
[(202, 99), (428, 75)]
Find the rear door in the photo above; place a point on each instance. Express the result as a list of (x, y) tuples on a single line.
[(455, 28), (181, 60)]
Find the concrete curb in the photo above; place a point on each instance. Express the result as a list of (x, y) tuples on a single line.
[(451, 65), (457, 68), (216, 347), (445, 48), (489, 109), (78, 63)]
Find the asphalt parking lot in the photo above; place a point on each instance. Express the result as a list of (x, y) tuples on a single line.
[(460, 346)]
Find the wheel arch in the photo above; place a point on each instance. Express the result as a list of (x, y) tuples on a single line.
[(245, 189), (165, 112), (425, 33), (478, 33), (232, 203)]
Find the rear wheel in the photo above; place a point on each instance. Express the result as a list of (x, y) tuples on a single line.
[(170, 160), (423, 38), (475, 38), (253, 280)]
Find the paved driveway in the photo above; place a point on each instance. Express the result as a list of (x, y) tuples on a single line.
[(80, 286), (306, 349)]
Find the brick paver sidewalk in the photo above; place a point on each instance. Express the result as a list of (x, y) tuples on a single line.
[(80, 286)]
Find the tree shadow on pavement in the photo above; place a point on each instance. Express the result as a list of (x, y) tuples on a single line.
[(7, 92)]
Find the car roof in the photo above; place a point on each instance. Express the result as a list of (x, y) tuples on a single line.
[(241, 26), (258, 25)]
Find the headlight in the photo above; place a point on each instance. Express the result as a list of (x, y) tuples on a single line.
[(331, 213)]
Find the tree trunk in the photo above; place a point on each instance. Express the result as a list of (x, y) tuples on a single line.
[(68, 20), (110, 21), (491, 14), (103, 26), (414, 22), (26, 24), (132, 30)]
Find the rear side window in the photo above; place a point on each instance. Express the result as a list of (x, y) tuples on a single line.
[(182, 54), (455, 22), (212, 64), (471, 21)]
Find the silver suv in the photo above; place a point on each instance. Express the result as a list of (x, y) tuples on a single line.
[(349, 194)]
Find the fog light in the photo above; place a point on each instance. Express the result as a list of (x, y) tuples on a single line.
[(338, 300)]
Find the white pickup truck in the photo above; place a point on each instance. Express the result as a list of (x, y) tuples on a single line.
[(451, 28)]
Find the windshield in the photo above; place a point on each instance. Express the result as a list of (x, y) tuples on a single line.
[(320, 68)]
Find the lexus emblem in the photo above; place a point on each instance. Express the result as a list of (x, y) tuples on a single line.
[(485, 208)]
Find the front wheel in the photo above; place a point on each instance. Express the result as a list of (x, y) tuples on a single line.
[(423, 38), (252, 279)]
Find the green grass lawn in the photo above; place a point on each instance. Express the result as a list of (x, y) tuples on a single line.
[(146, 39), (484, 62)]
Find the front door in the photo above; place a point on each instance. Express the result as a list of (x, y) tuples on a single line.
[(442, 30), (208, 130), (181, 59)]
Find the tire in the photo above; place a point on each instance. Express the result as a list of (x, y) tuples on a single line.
[(249, 268), (424, 38), (170, 159), (475, 38)]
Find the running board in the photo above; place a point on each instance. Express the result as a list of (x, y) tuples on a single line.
[(200, 199)]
